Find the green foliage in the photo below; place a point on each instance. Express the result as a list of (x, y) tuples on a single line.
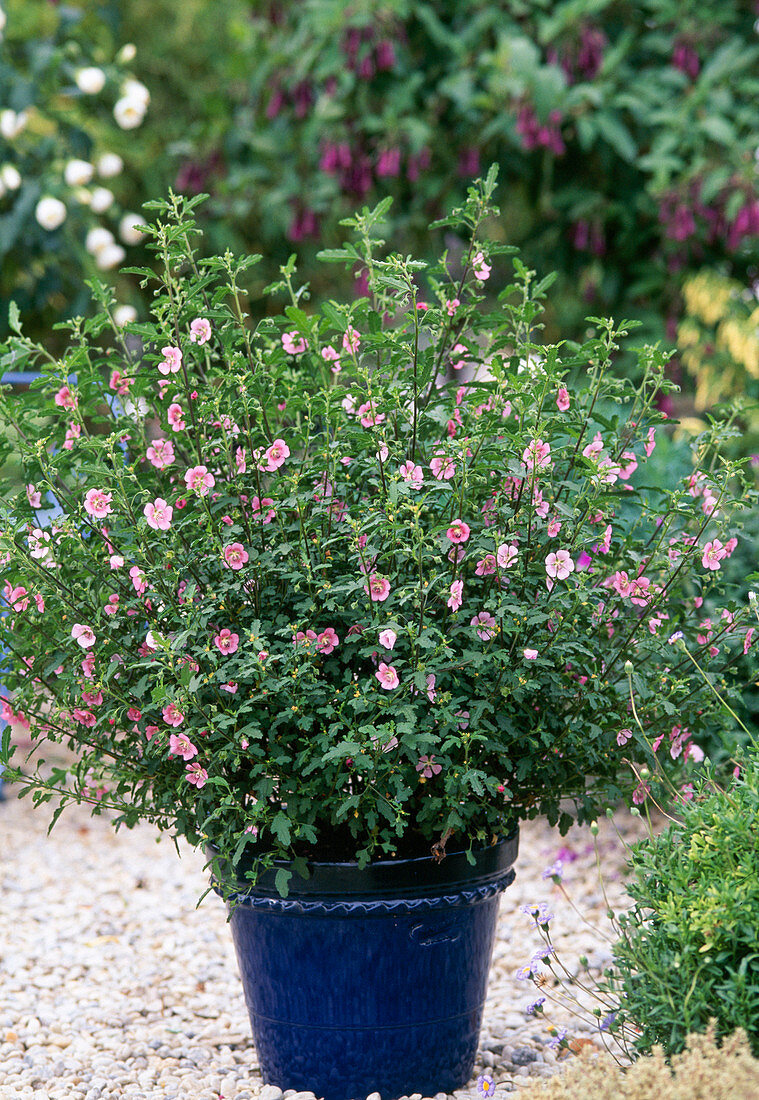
[(392, 572), (689, 950)]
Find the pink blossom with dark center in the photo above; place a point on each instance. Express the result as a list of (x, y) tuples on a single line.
[(235, 555)]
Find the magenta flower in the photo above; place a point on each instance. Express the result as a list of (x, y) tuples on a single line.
[(293, 343), (351, 340), (562, 399), (175, 416), (304, 637), (181, 745), (640, 591), (458, 531), (378, 588), (485, 625), (172, 360), (196, 775), (327, 641), (172, 715), (387, 676), (537, 454), (158, 514), (650, 443), (387, 638), (160, 453), (442, 468), (455, 600), (98, 503), (714, 552), (262, 509), (200, 330), (412, 475), (235, 555), (559, 565), (276, 455), (428, 767), (82, 635), (199, 479), (226, 642), (65, 399)]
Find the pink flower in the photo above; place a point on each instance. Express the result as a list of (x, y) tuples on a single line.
[(181, 745), (378, 588), (559, 565), (536, 454), (72, 432), (387, 638), (158, 514), (627, 471), (172, 715), (530, 654), (553, 528), (138, 580), (65, 399), (431, 693), (486, 566), (480, 268), (331, 355), (506, 555), (113, 604), (748, 638), (461, 350), (226, 642), (304, 637), (262, 509), (119, 383), (594, 448), (83, 635), (235, 555), (172, 360), (714, 552), (620, 582), (455, 600), (327, 641), (624, 736), (562, 399), (293, 343), (199, 479), (92, 698), (84, 717), (240, 461), (160, 453), (458, 531), (412, 475), (428, 767), (200, 330), (640, 793), (196, 775), (34, 496), (175, 416), (98, 503), (368, 415), (451, 306), (276, 454), (351, 340), (484, 623), (650, 443), (387, 676), (88, 666), (639, 591), (442, 468)]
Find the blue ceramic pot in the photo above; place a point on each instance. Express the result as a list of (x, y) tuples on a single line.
[(371, 980)]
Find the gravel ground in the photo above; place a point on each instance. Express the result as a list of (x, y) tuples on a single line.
[(114, 985)]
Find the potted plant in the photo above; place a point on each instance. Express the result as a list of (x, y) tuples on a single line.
[(343, 596)]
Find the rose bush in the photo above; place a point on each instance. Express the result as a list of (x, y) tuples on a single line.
[(357, 579)]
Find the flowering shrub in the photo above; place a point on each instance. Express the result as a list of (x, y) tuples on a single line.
[(626, 153), (359, 578), (62, 109)]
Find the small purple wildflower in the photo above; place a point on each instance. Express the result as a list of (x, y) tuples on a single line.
[(543, 954), (485, 1085), (554, 871), (524, 973), (607, 1021), (559, 1035), (535, 1006), (539, 912)]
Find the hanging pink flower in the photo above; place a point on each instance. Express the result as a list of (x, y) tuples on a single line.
[(428, 767), (368, 415), (226, 642), (196, 775), (378, 588), (84, 717), (175, 416), (650, 443), (83, 635), (200, 330), (455, 599), (640, 591), (97, 503), (158, 514), (160, 453), (485, 625), (181, 745), (537, 454), (486, 566), (559, 565), (235, 555), (327, 641), (412, 475), (387, 638), (351, 340), (200, 480), (480, 268), (431, 693), (138, 580), (262, 509), (65, 398), (624, 736), (172, 360), (459, 350), (331, 355), (276, 455), (387, 676), (458, 531), (72, 432), (562, 399), (442, 468), (33, 496), (304, 637), (451, 306), (172, 715), (293, 343)]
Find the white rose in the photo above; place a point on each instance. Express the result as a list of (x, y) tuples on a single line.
[(109, 165), (97, 239), (11, 124), (50, 212), (135, 89), (91, 80), (127, 53), (10, 176), (124, 315), (109, 256), (78, 172), (128, 231), (102, 198), (129, 113)]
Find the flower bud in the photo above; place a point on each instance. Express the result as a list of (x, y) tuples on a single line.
[(645, 773), (77, 173), (102, 199), (50, 212), (91, 80), (629, 667), (11, 177), (109, 165), (594, 828)]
